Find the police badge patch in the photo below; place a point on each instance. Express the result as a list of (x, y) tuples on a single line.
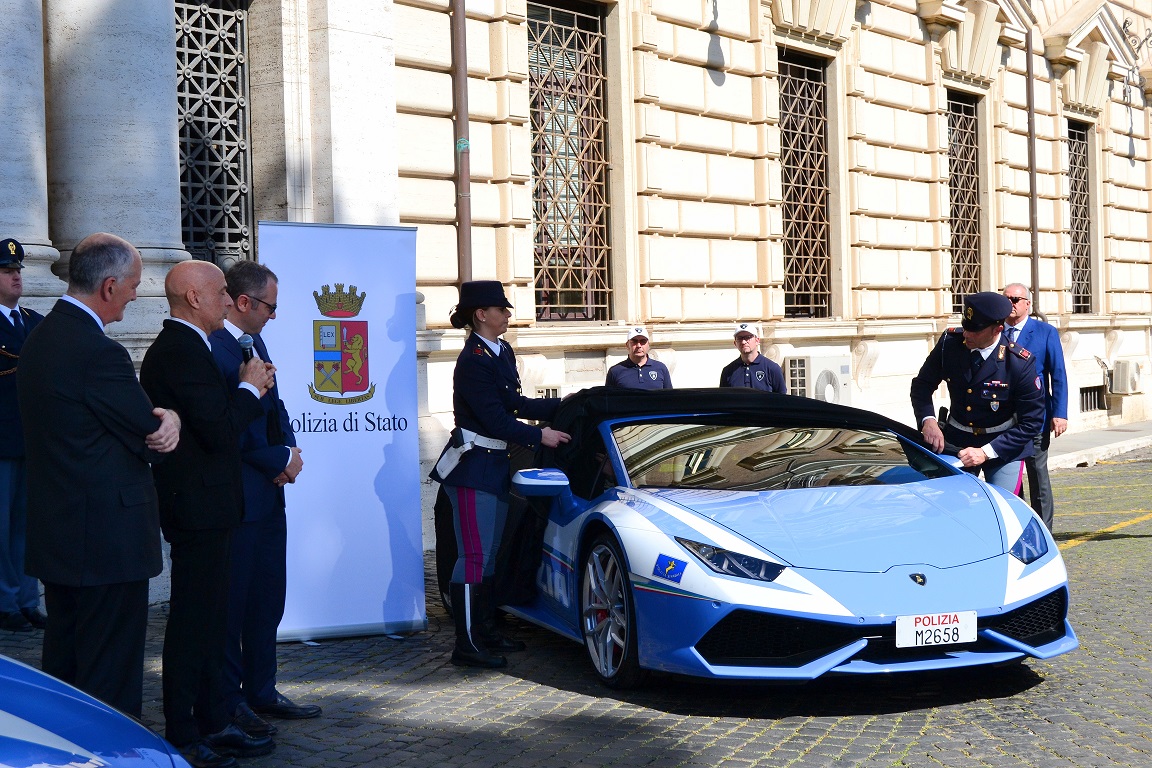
[(759, 375), (652, 375)]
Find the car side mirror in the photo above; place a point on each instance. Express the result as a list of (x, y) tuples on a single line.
[(548, 482)]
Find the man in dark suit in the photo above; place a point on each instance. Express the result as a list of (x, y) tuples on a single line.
[(259, 546), (201, 502), (89, 433), (1043, 341), (994, 393), (19, 592)]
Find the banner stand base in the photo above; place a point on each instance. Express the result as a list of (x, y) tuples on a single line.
[(352, 630)]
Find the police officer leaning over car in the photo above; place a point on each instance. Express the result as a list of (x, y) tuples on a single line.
[(996, 398), (474, 466)]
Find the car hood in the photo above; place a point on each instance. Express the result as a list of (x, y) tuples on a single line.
[(46, 723), (946, 522)]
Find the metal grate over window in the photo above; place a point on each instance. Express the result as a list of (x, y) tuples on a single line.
[(212, 103), (964, 196), (569, 161), (804, 166), (1078, 222)]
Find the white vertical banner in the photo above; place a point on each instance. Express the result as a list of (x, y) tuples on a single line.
[(344, 345)]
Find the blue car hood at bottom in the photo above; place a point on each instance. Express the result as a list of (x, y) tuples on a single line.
[(46, 723), (944, 523)]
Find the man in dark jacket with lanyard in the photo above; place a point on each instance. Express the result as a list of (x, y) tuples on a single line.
[(997, 399), (487, 404), (639, 371), (752, 369)]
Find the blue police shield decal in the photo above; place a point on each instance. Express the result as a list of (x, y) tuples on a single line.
[(669, 568)]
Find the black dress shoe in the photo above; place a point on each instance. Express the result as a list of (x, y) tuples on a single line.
[(200, 755), (250, 722), (34, 617), (283, 708), (233, 741), (14, 622)]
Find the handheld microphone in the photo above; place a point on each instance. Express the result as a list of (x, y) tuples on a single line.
[(245, 343)]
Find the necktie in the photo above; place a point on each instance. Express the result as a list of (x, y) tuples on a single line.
[(977, 361), (1012, 334), (275, 433), (17, 323)]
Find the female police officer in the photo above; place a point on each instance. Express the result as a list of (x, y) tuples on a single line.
[(474, 468)]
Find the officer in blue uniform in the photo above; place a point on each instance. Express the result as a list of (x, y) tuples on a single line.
[(474, 468), (19, 593), (752, 369), (639, 371), (996, 398)]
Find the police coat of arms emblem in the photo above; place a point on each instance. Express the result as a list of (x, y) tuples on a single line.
[(340, 348)]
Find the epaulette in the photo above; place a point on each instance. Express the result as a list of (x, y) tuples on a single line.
[(1019, 351), (954, 331)]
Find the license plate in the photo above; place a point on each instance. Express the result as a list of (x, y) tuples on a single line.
[(936, 629)]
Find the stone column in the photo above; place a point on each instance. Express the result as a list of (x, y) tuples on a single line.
[(352, 72), (113, 155), (24, 191)]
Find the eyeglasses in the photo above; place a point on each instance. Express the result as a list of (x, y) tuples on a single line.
[(1016, 299), (271, 307), (639, 340), (743, 339)]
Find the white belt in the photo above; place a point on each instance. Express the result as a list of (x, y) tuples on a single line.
[(983, 430), (483, 442)]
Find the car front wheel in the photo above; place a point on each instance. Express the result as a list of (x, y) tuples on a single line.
[(608, 616)]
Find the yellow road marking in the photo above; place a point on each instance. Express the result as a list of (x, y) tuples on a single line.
[(1110, 529)]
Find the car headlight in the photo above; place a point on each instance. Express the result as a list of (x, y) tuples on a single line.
[(733, 563), (1032, 545)]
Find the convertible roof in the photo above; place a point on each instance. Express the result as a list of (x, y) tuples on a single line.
[(580, 413)]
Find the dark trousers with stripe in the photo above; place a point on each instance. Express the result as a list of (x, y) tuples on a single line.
[(478, 519)]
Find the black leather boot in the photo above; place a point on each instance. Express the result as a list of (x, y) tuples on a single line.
[(489, 633), (466, 610)]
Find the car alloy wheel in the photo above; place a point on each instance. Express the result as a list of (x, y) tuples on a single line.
[(607, 615)]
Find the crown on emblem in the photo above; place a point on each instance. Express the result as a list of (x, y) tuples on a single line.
[(341, 303)]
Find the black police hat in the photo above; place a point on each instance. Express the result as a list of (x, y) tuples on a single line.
[(984, 309), (11, 254), (475, 294)]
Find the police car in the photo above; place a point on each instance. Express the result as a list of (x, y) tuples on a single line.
[(736, 534)]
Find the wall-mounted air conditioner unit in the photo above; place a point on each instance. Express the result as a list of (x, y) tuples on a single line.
[(1126, 377), (821, 378)]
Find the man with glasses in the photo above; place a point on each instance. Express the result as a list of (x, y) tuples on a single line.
[(270, 460), (1043, 341), (639, 371), (752, 369)]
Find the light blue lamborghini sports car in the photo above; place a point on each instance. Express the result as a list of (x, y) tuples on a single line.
[(45, 723), (741, 535)]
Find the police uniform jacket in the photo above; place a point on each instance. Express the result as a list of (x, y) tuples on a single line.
[(11, 342), (762, 374), (1004, 390), (652, 375), (486, 399)]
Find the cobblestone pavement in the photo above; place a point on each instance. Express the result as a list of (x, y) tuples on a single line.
[(399, 702)]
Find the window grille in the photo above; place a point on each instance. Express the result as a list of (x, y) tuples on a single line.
[(797, 376), (964, 196), (212, 104), (1093, 399), (804, 167), (1078, 201), (569, 161)]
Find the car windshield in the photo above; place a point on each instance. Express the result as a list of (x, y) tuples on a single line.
[(675, 454)]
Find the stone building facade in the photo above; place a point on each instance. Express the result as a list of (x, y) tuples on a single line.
[(843, 171)]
